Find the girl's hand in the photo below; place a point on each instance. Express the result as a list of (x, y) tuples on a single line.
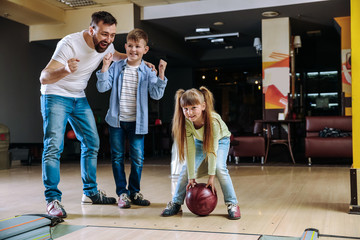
[(211, 183), (191, 183)]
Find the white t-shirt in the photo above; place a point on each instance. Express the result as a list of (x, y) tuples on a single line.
[(74, 84)]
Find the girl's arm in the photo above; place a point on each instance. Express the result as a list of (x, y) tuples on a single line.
[(212, 156), (191, 184), (211, 183), (190, 151)]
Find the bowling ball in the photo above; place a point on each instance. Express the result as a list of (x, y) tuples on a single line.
[(71, 134), (200, 200)]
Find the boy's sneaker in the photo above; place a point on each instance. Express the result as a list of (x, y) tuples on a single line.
[(171, 209), (138, 199), (56, 209), (124, 201), (233, 211), (99, 198)]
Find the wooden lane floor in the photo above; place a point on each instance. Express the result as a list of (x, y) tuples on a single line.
[(280, 201), (89, 233)]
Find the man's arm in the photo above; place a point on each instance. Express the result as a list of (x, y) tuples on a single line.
[(118, 56), (56, 71)]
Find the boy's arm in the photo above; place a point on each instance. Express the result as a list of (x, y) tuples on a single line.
[(162, 67), (108, 58), (157, 84), (105, 76)]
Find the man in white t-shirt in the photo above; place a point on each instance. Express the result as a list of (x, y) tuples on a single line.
[(63, 100)]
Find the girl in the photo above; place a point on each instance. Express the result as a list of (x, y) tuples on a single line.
[(200, 134)]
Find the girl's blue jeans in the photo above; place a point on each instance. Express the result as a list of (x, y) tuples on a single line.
[(56, 112), (222, 173)]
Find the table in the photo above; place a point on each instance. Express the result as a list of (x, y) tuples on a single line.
[(285, 141)]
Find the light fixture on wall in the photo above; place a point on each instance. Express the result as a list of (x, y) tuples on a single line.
[(294, 44), (257, 45), (297, 42)]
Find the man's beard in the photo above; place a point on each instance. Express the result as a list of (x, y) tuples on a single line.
[(98, 48)]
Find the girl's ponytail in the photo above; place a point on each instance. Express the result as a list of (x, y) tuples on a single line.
[(178, 126), (208, 142)]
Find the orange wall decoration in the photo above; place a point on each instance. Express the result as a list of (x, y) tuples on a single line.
[(345, 24), (276, 64)]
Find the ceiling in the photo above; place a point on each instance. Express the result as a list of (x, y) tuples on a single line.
[(307, 20)]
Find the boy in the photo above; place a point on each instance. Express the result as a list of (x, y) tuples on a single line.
[(131, 82)]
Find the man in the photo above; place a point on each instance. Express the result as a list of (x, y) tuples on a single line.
[(63, 100)]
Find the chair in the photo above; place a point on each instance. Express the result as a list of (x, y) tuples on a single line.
[(249, 146)]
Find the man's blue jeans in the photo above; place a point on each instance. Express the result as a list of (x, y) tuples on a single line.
[(56, 112), (222, 173), (118, 148)]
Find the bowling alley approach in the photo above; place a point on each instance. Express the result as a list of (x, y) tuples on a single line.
[(180, 119)]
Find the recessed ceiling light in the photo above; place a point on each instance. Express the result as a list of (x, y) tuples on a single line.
[(202, 30), (218, 23), (217, 40), (270, 14)]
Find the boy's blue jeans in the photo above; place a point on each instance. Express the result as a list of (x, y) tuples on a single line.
[(222, 173), (118, 150), (56, 112)]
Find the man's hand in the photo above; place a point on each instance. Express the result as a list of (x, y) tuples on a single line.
[(162, 67), (72, 65), (150, 65)]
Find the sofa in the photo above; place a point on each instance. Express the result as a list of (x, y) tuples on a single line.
[(328, 147)]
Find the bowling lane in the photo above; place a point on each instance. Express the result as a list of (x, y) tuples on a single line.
[(149, 234), (281, 201)]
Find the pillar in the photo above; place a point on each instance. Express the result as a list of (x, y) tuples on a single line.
[(355, 62), (276, 66)]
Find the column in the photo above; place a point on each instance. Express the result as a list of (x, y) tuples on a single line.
[(276, 66)]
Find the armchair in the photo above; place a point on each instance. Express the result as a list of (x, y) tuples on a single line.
[(249, 146)]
